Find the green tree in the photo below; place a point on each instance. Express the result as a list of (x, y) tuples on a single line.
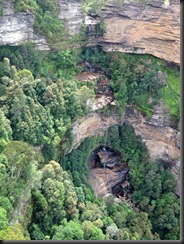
[(71, 231), (12, 233), (91, 212), (166, 217), (3, 219), (112, 231), (36, 233), (92, 232), (5, 128), (97, 234), (140, 224), (20, 156)]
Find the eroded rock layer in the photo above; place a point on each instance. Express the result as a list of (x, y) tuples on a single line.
[(162, 141), (144, 27), (17, 28), (106, 171), (91, 125), (151, 27)]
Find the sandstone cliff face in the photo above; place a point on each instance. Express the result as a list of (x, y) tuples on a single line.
[(152, 27), (103, 180), (143, 27), (106, 171), (162, 141), (91, 125), (71, 11), (16, 28)]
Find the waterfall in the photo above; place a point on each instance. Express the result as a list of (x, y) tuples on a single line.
[(86, 55), (88, 30), (106, 134), (97, 29)]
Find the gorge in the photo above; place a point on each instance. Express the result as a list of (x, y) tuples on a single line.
[(90, 119)]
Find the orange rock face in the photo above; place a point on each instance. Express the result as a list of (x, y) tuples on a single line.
[(143, 28)]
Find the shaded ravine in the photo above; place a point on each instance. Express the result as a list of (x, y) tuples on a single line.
[(106, 171)]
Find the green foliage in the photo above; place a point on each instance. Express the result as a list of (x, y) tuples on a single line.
[(6, 204), (36, 233), (3, 219), (19, 169), (41, 110), (79, 170), (64, 212), (131, 78), (39, 101), (93, 7), (52, 202), (71, 231), (141, 225), (26, 5), (172, 93), (52, 27), (46, 21), (166, 216), (23, 57), (152, 184), (12, 233), (5, 130), (91, 213), (48, 5), (124, 139)]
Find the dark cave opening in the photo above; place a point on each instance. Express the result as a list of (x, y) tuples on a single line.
[(108, 160)]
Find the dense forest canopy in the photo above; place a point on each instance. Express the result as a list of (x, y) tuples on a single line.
[(45, 191), (40, 99)]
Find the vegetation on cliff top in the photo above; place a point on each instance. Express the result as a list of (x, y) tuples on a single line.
[(46, 18), (93, 7)]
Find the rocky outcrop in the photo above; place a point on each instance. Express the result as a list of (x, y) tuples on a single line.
[(71, 12), (151, 27), (162, 141), (106, 172), (16, 28), (143, 27), (91, 125), (103, 180)]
